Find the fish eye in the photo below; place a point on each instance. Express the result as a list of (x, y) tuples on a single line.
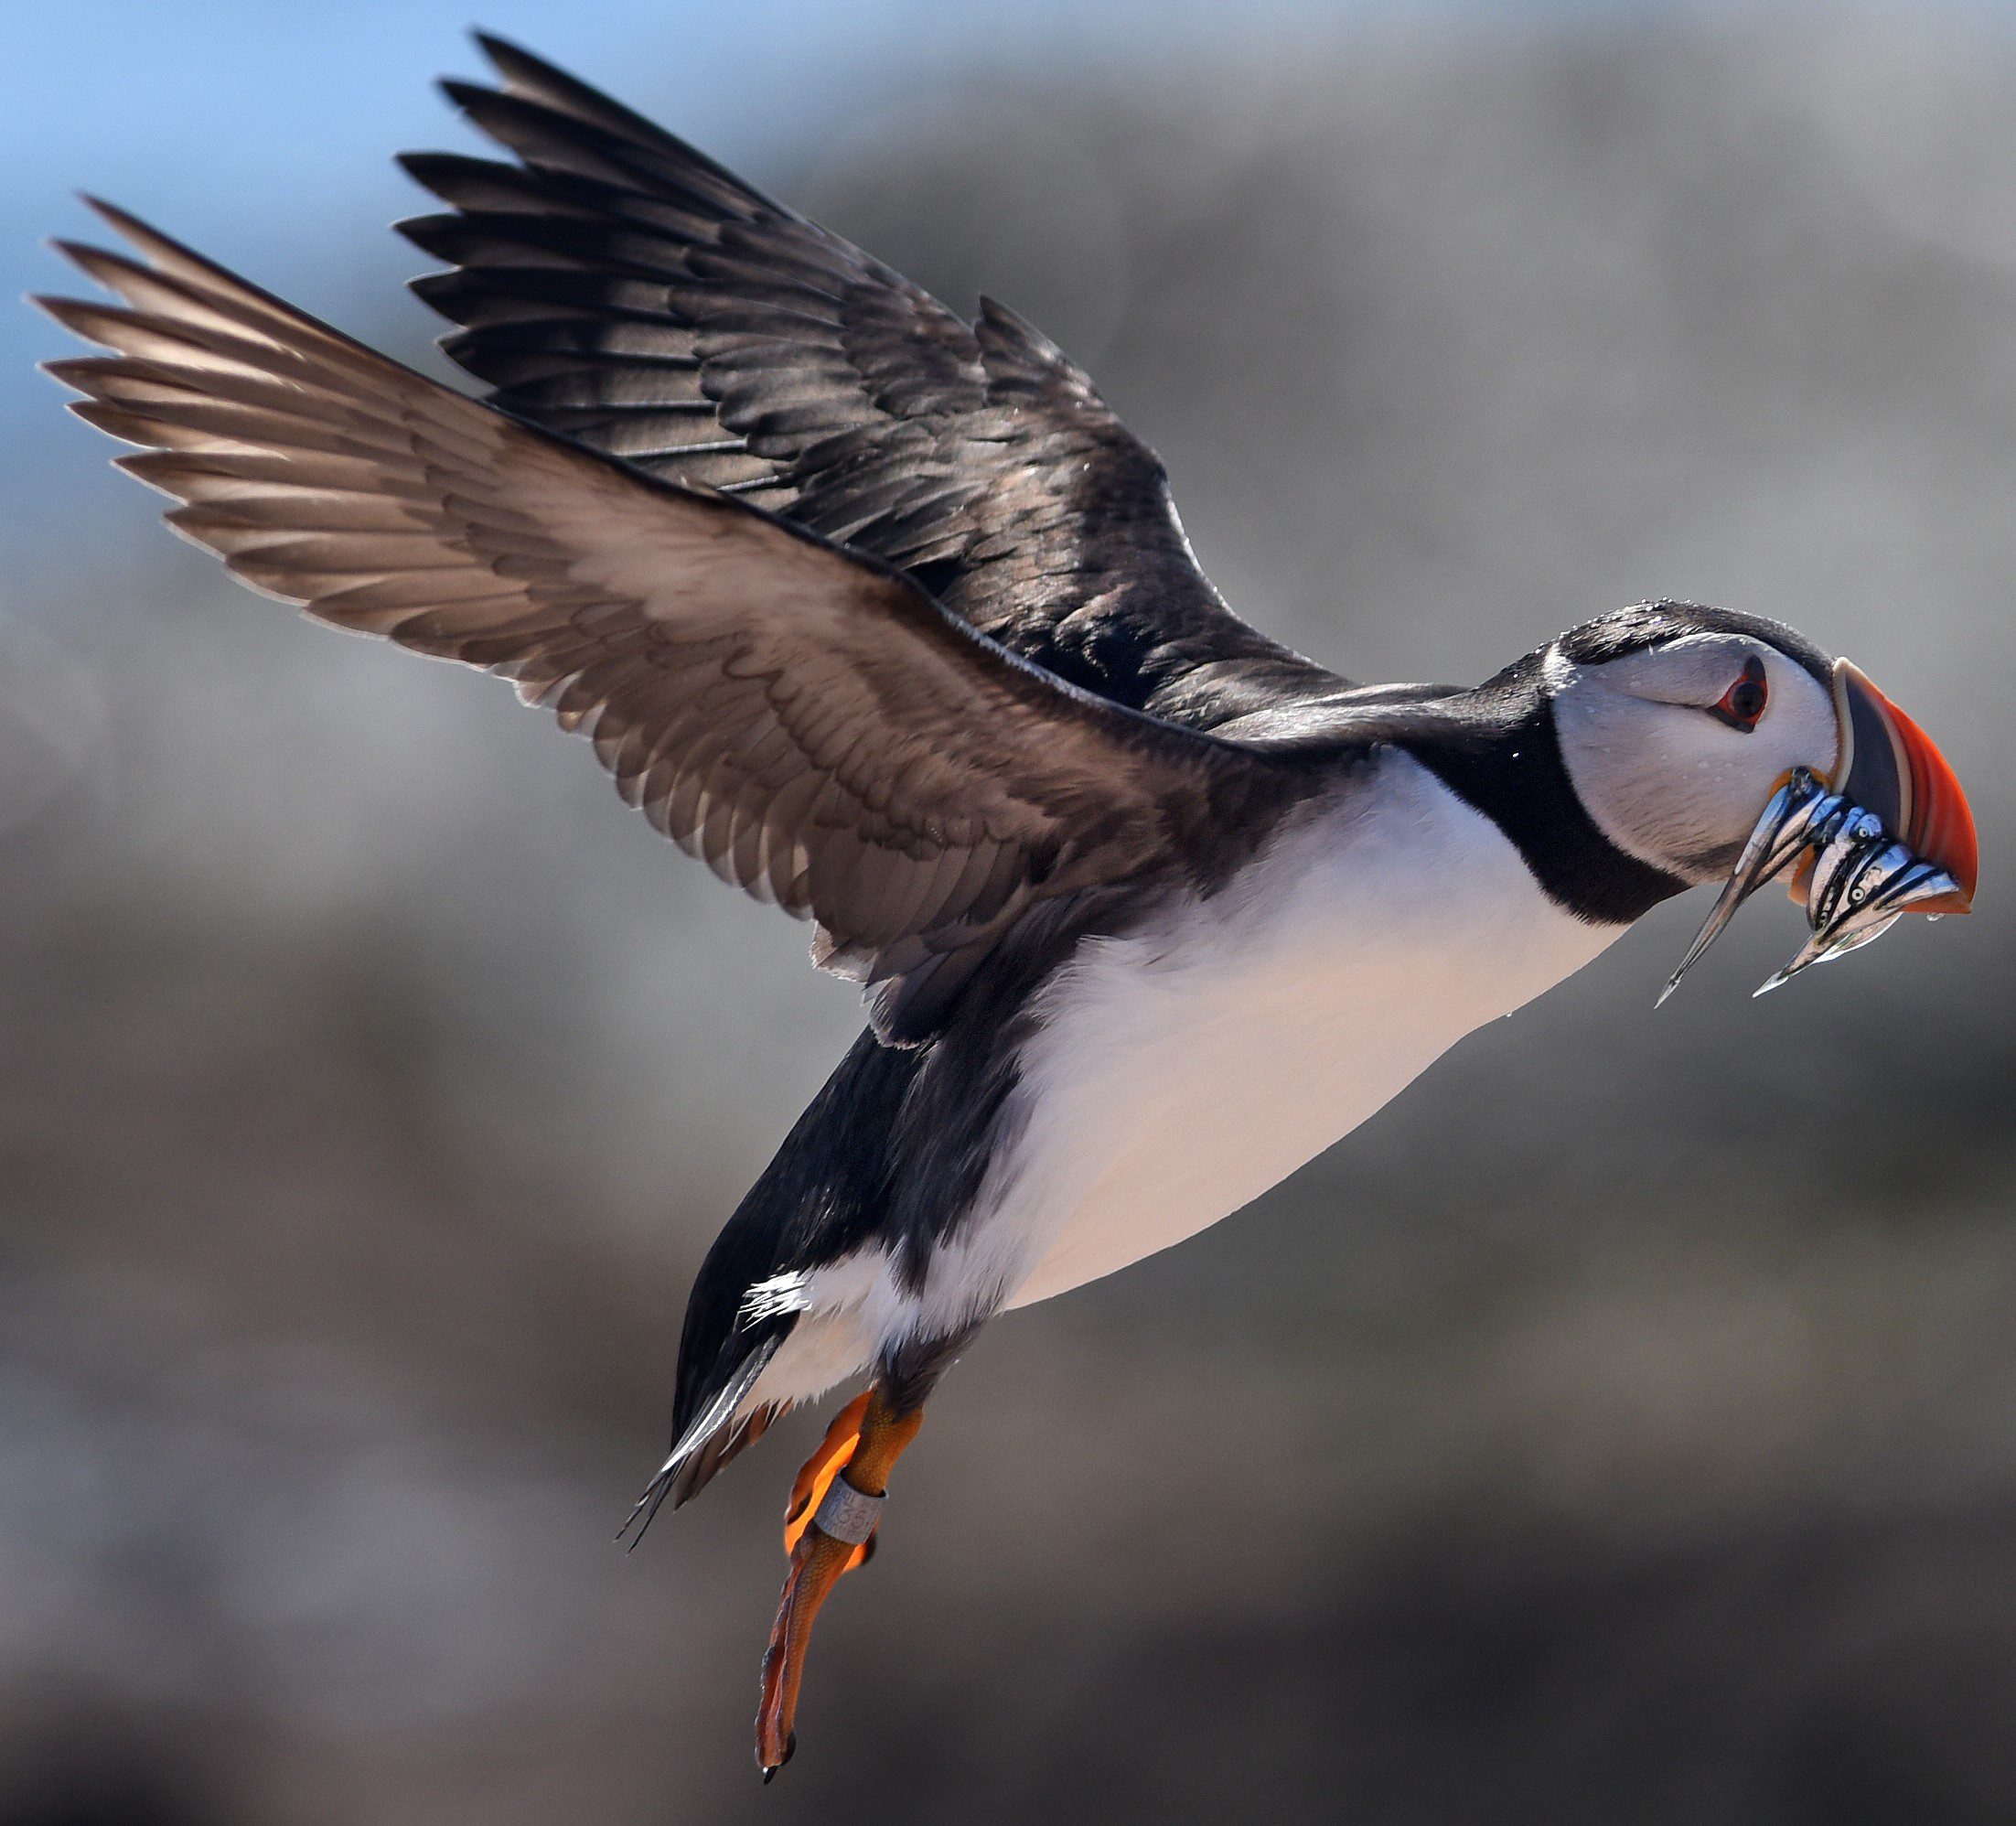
[(1743, 702)]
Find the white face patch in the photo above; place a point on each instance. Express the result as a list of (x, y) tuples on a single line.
[(1662, 777)]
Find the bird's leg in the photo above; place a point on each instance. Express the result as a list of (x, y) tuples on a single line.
[(828, 1529), (816, 1475)]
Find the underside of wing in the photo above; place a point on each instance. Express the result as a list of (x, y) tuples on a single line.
[(618, 286), (808, 721)]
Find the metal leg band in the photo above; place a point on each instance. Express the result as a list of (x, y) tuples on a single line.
[(846, 1514)]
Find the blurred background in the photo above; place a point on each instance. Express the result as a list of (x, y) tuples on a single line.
[(1622, 1426)]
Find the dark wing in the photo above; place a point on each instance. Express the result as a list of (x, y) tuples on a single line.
[(619, 287), (809, 722)]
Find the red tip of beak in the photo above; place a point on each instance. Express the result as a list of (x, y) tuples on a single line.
[(1934, 819)]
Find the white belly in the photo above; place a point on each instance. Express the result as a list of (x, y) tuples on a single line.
[(1186, 1069), (1183, 1070)]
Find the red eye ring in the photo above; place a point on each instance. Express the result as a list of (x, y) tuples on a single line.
[(1743, 702)]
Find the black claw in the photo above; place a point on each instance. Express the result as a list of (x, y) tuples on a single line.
[(790, 1750)]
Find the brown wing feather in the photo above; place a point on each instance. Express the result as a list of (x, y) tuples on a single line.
[(816, 729)]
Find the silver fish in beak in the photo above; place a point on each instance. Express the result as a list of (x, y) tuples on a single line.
[(1890, 834)]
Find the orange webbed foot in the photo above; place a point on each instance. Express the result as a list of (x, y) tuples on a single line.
[(865, 1440)]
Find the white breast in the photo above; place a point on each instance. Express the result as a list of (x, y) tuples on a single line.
[(1183, 1070)]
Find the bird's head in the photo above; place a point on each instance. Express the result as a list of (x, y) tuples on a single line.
[(1721, 746)]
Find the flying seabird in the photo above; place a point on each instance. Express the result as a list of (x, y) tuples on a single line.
[(889, 618)]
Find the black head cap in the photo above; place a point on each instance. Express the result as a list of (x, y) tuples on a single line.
[(1647, 623)]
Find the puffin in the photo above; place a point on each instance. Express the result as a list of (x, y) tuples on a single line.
[(887, 618)]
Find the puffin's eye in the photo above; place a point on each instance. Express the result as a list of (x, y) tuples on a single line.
[(1743, 702)]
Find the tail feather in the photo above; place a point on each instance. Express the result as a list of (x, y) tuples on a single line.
[(716, 1434)]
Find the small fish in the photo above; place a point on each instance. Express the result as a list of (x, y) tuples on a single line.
[(1860, 865)]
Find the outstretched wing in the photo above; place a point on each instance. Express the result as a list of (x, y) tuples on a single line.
[(619, 287), (807, 720)]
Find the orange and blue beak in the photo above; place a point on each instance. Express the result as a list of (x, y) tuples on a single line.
[(1888, 832), (1890, 767)]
